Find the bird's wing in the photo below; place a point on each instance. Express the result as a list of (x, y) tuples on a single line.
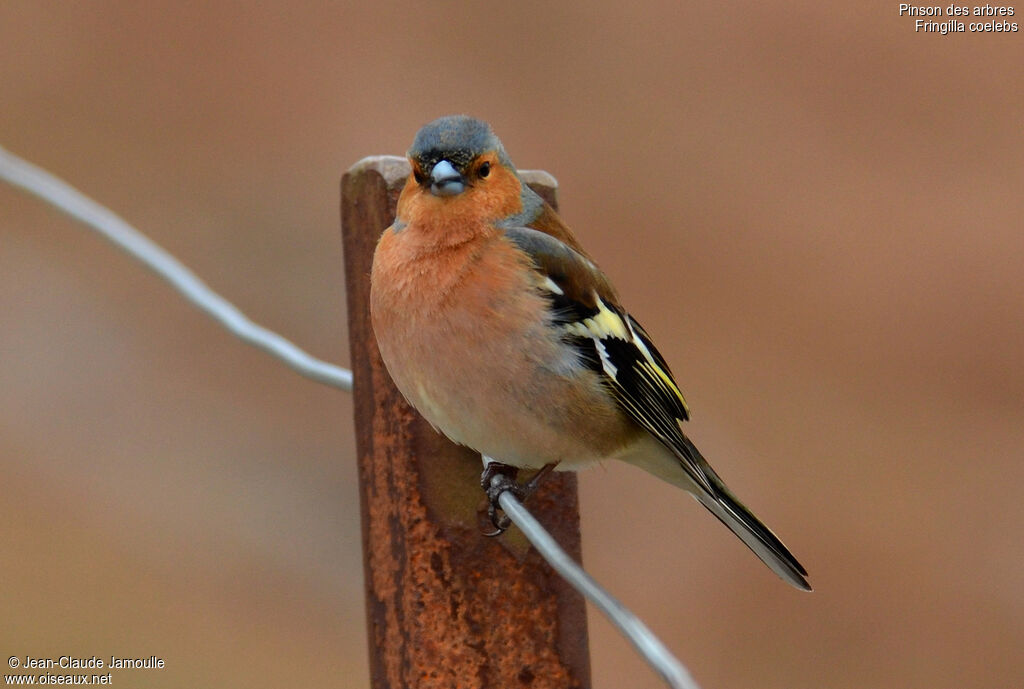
[(614, 345), (608, 339)]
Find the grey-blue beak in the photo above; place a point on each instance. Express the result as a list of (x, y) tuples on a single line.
[(445, 180)]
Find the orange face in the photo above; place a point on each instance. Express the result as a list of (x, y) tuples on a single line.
[(491, 192)]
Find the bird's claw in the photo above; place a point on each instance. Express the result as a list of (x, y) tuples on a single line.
[(496, 479)]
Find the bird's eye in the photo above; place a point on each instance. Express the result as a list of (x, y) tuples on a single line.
[(419, 176), (484, 170)]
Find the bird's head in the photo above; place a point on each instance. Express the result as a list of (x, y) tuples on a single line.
[(460, 172)]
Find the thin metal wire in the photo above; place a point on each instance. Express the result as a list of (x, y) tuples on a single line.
[(642, 638), (35, 180)]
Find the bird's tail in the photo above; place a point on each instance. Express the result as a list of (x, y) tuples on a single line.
[(723, 504), (742, 522)]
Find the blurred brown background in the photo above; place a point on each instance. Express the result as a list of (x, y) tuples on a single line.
[(815, 211)]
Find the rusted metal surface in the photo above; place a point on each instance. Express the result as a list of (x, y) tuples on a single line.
[(446, 606)]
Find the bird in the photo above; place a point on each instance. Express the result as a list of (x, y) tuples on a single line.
[(502, 332)]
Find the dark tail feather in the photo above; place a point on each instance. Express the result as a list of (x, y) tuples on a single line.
[(742, 522)]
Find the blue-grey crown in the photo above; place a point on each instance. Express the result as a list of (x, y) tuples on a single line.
[(457, 139)]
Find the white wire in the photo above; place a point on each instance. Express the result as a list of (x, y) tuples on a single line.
[(41, 183), (642, 638)]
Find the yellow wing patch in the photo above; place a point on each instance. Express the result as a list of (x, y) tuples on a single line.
[(606, 323)]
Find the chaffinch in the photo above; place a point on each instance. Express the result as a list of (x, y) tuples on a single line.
[(501, 331)]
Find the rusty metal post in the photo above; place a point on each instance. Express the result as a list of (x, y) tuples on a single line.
[(446, 606)]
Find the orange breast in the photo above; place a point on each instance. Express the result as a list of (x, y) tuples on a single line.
[(466, 336)]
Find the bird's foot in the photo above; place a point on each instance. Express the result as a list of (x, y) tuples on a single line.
[(498, 478)]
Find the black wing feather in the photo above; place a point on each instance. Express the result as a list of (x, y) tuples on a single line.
[(615, 346)]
